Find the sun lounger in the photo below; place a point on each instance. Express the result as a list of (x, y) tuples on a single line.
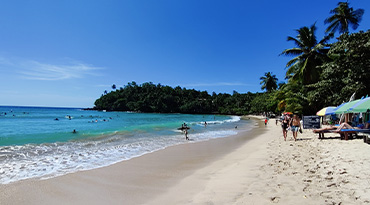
[(358, 130), (345, 133), (367, 138), (321, 133)]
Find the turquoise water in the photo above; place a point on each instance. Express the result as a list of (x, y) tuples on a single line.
[(39, 142)]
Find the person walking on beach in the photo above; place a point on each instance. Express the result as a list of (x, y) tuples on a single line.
[(295, 124), (284, 125), (266, 121)]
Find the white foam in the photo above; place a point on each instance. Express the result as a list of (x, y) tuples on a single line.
[(233, 119), (50, 160)]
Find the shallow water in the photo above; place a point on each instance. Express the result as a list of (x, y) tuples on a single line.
[(34, 144)]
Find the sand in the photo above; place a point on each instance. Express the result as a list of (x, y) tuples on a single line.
[(255, 168)]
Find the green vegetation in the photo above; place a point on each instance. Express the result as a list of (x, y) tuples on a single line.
[(323, 74), (268, 82), (308, 56), (343, 17), (319, 74), (149, 97)]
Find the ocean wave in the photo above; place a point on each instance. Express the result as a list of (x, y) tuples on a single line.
[(55, 159), (214, 122)]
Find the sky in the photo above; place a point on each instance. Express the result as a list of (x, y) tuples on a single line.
[(66, 53)]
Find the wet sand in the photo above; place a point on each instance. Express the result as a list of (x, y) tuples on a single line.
[(135, 181), (256, 167)]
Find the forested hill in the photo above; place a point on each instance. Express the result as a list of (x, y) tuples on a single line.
[(149, 97)]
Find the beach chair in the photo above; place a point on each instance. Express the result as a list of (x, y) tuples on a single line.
[(345, 133), (367, 138), (321, 133)]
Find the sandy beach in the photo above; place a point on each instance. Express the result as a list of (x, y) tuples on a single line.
[(255, 167)]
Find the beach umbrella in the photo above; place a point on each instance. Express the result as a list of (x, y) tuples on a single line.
[(288, 113), (344, 108), (326, 111), (361, 106)]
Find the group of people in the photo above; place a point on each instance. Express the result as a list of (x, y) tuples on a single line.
[(184, 128), (292, 123)]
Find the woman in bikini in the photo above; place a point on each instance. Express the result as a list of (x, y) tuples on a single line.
[(284, 125)]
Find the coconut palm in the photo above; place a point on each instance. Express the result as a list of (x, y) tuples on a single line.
[(268, 82), (309, 55), (343, 17)]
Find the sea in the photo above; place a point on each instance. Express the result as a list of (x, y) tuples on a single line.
[(44, 142)]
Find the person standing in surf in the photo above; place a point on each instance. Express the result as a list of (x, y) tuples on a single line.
[(186, 134)]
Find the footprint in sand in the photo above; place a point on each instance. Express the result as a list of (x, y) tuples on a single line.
[(332, 184), (275, 199)]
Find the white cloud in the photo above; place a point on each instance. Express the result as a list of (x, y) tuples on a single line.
[(40, 71), (35, 70)]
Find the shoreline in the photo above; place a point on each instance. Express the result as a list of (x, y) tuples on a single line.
[(153, 171), (255, 167)]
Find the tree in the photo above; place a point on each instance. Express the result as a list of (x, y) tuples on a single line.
[(343, 17), (349, 71), (114, 87), (264, 103), (268, 82), (149, 97), (290, 98), (309, 55)]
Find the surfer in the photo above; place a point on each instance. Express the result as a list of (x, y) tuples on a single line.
[(183, 127)]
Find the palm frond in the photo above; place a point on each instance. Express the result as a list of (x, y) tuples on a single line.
[(291, 62), (333, 26), (297, 42), (292, 52)]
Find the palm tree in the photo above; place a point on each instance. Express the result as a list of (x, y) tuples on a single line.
[(268, 82), (343, 17), (308, 55)]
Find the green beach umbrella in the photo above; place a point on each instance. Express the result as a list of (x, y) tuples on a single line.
[(345, 108), (362, 106)]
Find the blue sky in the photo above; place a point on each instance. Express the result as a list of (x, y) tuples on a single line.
[(66, 53)]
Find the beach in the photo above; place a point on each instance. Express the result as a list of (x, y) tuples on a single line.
[(254, 167)]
